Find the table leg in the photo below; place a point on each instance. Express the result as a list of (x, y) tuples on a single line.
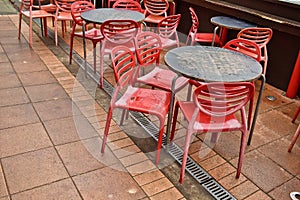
[(214, 36), (84, 47), (263, 81), (170, 115)]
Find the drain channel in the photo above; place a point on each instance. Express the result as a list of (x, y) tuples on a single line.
[(199, 174)]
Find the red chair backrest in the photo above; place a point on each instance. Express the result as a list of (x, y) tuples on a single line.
[(119, 31), (148, 47), (194, 27), (260, 36), (123, 62), (244, 46), (64, 5), (128, 5), (25, 5), (222, 99), (77, 8), (156, 7), (168, 26)]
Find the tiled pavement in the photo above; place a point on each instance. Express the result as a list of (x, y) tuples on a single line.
[(50, 129)]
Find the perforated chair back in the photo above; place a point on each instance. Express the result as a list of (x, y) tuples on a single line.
[(77, 8), (167, 30), (261, 36), (119, 31), (244, 46), (128, 5), (222, 99), (156, 7), (148, 48)]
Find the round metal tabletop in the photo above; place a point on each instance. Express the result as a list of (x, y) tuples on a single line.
[(101, 15), (230, 22), (212, 64)]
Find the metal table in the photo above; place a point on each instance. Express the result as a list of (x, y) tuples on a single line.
[(213, 64), (100, 15), (225, 23)]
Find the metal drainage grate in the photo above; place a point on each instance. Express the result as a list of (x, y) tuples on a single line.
[(200, 175)]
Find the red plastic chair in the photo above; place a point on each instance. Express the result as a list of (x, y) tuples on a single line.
[(248, 48), (63, 14), (297, 133), (154, 102), (213, 110), (195, 36), (148, 48), (155, 11), (94, 34), (167, 30), (128, 5), (116, 32), (261, 36), (26, 9)]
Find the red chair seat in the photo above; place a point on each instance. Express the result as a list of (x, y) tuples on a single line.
[(162, 79), (206, 122), (207, 38)]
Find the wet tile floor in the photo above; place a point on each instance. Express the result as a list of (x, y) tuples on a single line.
[(50, 131)]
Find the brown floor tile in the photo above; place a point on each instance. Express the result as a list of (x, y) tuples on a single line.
[(172, 193), (3, 189), (25, 66), (283, 191), (83, 156), (4, 58), (275, 120), (263, 172), (228, 144), (141, 167), (290, 110), (4, 198), (212, 162), (55, 109), (243, 190), (77, 126), (275, 151), (120, 153), (133, 159), (259, 195), (222, 171), (262, 135), (102, 185), (17, 115), (230, 181), (157, 186), (9, 80), (5, 67), (22, 139), (51, 91), (37, 78), (61, 190), (13, 96), (25, 55), (32, 169), (119, 143), (148, 177)]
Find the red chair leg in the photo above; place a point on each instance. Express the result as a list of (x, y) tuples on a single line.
[(296, 135), (242, 152), (160, 137), (185, 156), (296, 115), (106, 130)]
